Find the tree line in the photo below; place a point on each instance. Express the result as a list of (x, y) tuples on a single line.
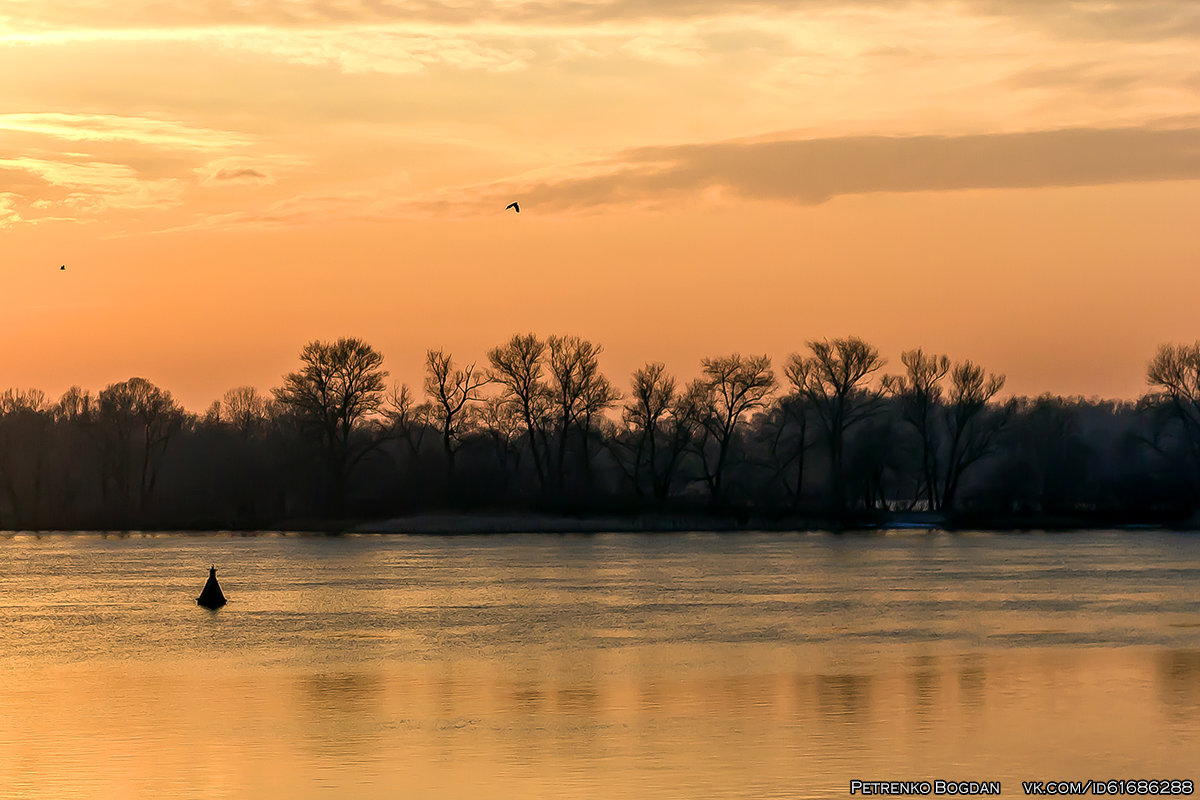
[(828, 435)]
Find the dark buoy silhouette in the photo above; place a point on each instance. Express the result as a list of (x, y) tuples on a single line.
[(211, 597)]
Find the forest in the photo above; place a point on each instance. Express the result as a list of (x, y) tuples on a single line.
[(828, 437)]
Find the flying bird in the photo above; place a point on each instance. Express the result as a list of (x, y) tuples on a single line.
[(64, 266), (514, 206)]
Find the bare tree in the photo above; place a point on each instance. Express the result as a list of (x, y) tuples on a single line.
[(832, 381), (919, 392), (1174, 375), (75, 404), (247, 478), (577, 390), (450, 390), (660, 427), (651, 400), (729, 389), (599, 395), (784, 431), (74, 417), (26, 420), (407, 419), (334, 397), (244, 408), (137, 421), (518, 366), (13, 400), (972, 431), (501, 423)]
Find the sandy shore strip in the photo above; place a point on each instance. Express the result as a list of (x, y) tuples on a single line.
[(543, 523)]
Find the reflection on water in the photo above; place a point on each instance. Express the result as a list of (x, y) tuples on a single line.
[(606, 666), (843, 697), (1179, 680), (971, 680)]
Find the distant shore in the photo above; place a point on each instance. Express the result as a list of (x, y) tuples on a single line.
[(466, 524), (513, 522)]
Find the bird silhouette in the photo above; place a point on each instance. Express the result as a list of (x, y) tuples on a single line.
[(514, 206), (64, 266)]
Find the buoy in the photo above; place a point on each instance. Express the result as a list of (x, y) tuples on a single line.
[(211, 596)]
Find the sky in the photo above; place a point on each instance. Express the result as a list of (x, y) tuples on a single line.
[(1011, 181)]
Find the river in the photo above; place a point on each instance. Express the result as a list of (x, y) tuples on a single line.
[(593, 666)]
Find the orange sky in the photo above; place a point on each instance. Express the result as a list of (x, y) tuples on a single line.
[(1013, 182)]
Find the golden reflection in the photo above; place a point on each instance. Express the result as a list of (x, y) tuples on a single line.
[(664, 725), (1178, 677), (577, 699), (107, 694), (972, 681), (844, 697), (341, 713), (924, 679), (344, 691)]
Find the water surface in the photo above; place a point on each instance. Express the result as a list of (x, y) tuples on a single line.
[(609, 666)]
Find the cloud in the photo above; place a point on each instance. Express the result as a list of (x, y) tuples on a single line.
[(299, 211), (675, 50), (1107, 19), (258, 169), (410, 37), (791, 170), (1102, 20), (1091, 76), (114, 128), (92, 186), (379, 50), (57, 14), (8, 209), (79, 166), (353, 49), (245, 173), (811, 171)]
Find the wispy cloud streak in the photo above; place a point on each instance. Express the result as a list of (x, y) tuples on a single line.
[(810, 171), (115, 128), (797, 171), (1143, 19)]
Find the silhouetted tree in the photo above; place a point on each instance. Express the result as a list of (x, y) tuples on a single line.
[(784, 431), (136, 421), (1174, 375), (599, 395), (450, 390), (919, 392), (577, 390), (650, 401), (832, 381), (74, 420), (25, 426), (250, 460), (407, 419), (518, 366), (972, 431), (502, 424), (731, 387), (244, 408), (334, 398), (241, 427), (871, 457), (1045, 454)]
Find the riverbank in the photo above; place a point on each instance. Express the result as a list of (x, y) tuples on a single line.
[(455, 524), (504, 522), (445, 524)]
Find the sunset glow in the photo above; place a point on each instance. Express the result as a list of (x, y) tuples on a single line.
[(1010, 182)]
